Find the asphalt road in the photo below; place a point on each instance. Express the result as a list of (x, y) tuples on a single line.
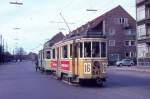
[(21, 81)]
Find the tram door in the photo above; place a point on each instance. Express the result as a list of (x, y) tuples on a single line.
[(58, 62), (42, 59), (75, 59)]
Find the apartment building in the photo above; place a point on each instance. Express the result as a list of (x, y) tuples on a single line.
[(119, 28), (143, 32)]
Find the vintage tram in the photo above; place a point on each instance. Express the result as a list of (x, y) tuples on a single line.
[(77, 58)]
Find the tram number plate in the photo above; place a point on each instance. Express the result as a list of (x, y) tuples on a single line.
[(87, 68)]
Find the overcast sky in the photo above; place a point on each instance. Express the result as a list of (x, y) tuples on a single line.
[(36, 19)]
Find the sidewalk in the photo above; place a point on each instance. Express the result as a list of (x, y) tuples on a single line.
[(132, 68)]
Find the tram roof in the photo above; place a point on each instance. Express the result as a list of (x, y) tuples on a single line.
[(56, 38)]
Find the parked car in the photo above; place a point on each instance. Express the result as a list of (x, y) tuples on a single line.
[(125, 62)]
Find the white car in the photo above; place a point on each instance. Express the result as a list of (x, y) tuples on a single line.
[(125, 62)]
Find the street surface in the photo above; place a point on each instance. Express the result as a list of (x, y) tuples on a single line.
[(21, 81)]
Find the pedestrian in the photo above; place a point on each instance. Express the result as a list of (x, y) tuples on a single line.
[(36, 64)]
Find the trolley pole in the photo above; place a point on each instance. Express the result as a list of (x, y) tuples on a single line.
[(65, 22)]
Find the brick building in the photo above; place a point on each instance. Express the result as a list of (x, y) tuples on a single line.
[(143, 31), (119, 28)]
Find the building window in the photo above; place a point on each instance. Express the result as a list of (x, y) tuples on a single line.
[(95, 49), (87, 49), (141, 13), (148, 12), (53, 53), (142, 50), (129, 43), (123, 20), (65, 51), (148, 30), (112, 31), (132, 54), (111, 42), (113, 57), (141, 30), (130, 32), (132, 43), (48, 54), (127, 54)]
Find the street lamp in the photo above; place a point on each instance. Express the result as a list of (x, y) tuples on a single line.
[(91, 10), (16, 3), (16, 28)]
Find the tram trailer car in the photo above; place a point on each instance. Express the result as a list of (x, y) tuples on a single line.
[(78, 60), (41, 60), (46, 60)]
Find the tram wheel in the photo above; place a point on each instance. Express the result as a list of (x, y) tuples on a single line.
[(99, 82)]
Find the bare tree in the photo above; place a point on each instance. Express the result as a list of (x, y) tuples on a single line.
[(19, 54)]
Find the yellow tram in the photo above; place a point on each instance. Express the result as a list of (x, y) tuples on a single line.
[(77, 58)]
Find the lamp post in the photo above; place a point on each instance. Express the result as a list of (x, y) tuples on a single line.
[(91, 10), (16, 3)]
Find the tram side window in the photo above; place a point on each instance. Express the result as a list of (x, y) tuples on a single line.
[(75, 50), (70, 50), (48, 54), (65, 51), (53, 53), (95, 49), (43, 55), (81, 47), (87, 49), (103, 49)]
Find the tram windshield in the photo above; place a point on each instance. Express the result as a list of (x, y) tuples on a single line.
[(94, 49), (87, 49), (103, 49)]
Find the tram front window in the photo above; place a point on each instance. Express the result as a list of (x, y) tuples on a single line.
[(87, 49), (95, 49)]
